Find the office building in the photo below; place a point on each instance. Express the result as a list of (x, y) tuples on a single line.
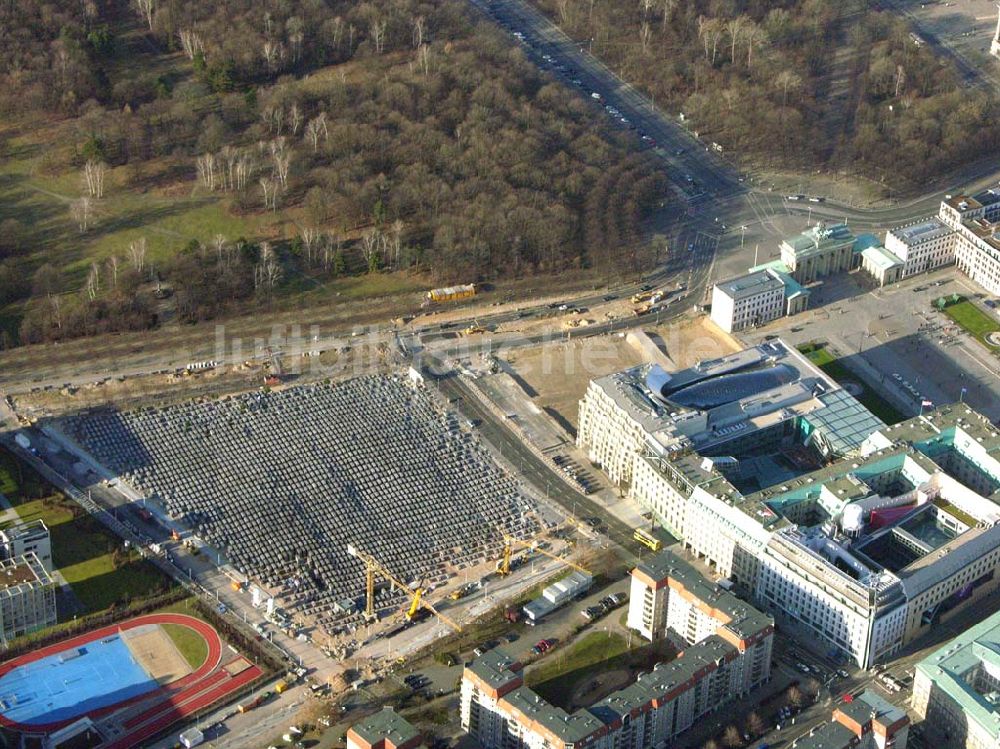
[(25, 538), (865, 721), (855, 534), (922, 246), (752, 402), (956, 690), (756, 298), (386, 729), (27, 597), (977, 235)]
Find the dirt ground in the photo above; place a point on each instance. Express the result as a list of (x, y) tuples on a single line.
[(560, 372), (153, 649)]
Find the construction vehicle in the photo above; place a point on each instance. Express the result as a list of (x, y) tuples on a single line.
[(506, 564), (462, 592), (451, 293), (641, 297), (281, 686), (236, 585), (415, 602), (473, 330), (642, 309), (373, 567), (245, 707)]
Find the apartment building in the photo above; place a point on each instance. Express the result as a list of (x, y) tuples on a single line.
[(726, 652), (27, 597), (25, 538)]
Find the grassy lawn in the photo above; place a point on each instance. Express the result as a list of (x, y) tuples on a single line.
[(189, 643), (596, 653), (592, 652), (93, 562), (871, 400), (973, 320)]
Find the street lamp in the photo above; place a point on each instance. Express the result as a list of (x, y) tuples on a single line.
[(743, 231)]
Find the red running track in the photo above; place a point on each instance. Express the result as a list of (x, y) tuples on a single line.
[(203, 628), (189, 707)]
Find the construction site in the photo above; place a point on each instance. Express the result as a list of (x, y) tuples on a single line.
[(344, 504)]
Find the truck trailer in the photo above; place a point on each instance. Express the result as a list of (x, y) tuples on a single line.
[(451, 293)]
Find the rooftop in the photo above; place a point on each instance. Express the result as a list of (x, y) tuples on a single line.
[(739, 617), (952, 668), (818, 239), (922, 231), (22, 570), (881, 258), (751, 284), (386, 725)]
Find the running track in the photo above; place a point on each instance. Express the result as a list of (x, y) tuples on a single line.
[(169, 703)]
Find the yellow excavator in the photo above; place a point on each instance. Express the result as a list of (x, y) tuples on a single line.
[(417, 601)]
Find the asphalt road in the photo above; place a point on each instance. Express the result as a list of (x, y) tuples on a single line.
[(694, 169)]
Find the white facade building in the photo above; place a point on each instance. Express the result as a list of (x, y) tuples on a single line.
[(748, 301), (922, 246), (956, 689), (27, 597), (977, 236), (27, 538)]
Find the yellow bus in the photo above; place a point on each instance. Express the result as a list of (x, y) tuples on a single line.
[(647, 539)]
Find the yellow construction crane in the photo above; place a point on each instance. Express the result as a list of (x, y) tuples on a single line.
[(503, 566), (417, 600)]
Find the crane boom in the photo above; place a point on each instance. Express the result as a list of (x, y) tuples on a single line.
[(503, 565), (372, 566)]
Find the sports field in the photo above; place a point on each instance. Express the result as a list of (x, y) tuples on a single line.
[(130, 675)]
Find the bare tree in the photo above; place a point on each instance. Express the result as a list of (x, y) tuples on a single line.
[(295, 30), (668, 10), (295, 117), (206, 170), (787, 79), (371, 248), (269, 189), (377, 32), (424, 58), (311, 238), (734, 27), (397, 242), (900, 80), (190, 42), (796, 696), (272, 52), (731, 737), (137, 254), (93, 177), (113, 270), (645, 32), (82, 211), (146, 9), (93, 284), (755, 724), (316, 128), (754, 34), (268, 271), (418, 32), (282, 160)]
